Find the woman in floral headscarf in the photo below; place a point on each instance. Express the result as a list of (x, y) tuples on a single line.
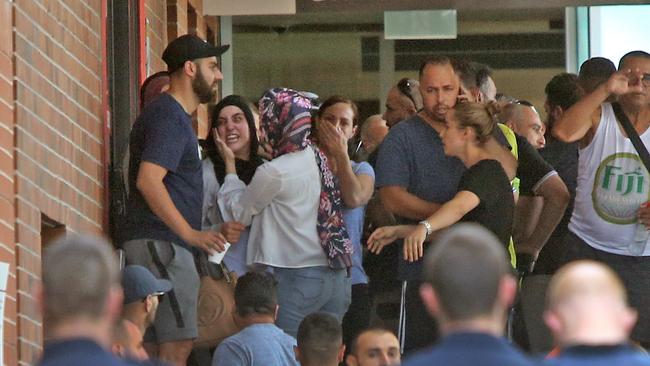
[(295, 211)]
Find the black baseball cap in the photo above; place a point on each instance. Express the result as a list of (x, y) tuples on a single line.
[(187, 48), (138, 283)]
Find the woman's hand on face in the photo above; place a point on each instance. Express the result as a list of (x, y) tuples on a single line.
[(413, 244), (224, 151), (332, 138)]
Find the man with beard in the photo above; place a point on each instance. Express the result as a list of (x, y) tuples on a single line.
[(164, 207), (415, 178)]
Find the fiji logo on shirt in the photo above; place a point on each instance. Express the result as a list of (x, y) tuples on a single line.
[(620, 187)]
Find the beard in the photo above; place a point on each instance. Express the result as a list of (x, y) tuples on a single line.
[(204, 91)]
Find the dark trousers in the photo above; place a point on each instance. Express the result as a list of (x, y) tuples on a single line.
[(357, 318), (421, 330)]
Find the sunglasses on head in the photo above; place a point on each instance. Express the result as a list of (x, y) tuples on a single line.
[(404, 86)]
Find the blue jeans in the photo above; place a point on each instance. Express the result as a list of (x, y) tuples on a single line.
[(302, 291)]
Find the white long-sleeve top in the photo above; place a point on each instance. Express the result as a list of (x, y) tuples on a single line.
[(281, 205)]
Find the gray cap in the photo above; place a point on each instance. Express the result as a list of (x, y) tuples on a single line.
[(138, 283)]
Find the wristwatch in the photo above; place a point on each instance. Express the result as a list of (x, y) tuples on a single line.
[(426, 226)]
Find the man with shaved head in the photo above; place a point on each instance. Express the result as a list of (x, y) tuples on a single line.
[(588, 314), (373, 131), (523, 119), (403, 101)]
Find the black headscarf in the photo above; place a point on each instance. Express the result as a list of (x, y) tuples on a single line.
[(245, 169)]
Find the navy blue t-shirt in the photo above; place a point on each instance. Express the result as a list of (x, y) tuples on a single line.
[(81, 352), (163, 135), (599, 356), (470, 349), (412, 156)]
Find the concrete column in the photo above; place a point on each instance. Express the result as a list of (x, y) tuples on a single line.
[(386, 69), (227, 85)]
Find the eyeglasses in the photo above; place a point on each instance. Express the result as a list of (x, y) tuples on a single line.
[(645, 79), (404, 86)]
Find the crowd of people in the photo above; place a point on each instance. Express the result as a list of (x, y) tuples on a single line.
[(516, 241)]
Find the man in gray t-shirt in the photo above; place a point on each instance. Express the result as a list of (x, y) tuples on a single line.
[(260, 341), (415, 178)]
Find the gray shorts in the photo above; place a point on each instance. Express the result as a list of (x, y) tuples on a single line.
[(176, 317)]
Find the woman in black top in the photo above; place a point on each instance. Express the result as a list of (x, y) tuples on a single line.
[(484, 192)]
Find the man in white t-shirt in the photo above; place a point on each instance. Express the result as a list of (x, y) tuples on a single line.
[(610, 216)]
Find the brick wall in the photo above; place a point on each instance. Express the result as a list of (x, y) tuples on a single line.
[(51, 137), (7, 190), (58, 137), (156, 15), (181, 21)]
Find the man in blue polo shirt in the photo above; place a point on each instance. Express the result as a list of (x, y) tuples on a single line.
[(165, 180), (469, 287)]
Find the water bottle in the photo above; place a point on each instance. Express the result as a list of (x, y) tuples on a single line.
[(641, 235)]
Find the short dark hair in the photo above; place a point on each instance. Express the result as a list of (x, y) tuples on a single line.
[(78, 274), (256, 293), (465, 268), (472, 74), (466, 72), (319, 338), (483, 73), (434, 60), (563, 91), (637, 53)]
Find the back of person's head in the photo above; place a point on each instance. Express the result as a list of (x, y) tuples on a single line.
[(586, 303), (563, 91), (256, 294), (466, 269), (466, 71), (152, 87), (483, 78), (374, 346), (478, 116), (319, 340), (79, 275), (594, 72)]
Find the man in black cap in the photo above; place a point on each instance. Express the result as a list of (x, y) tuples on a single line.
[(165, 181)]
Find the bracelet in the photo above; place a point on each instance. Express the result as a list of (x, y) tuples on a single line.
[(427, 226)]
